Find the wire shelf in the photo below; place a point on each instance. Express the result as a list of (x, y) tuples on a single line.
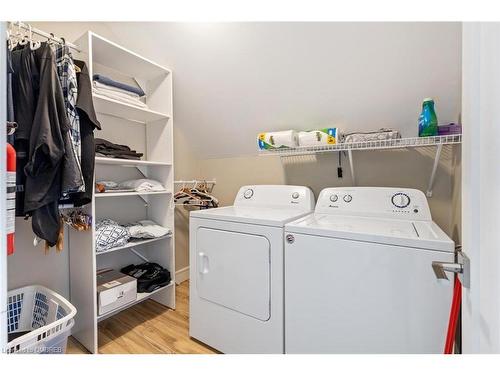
[(368, 145)]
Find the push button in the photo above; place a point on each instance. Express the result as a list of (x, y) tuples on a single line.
[(347, 198)]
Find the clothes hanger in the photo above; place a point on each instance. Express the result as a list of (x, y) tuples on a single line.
[(15, 35), (50, 40), (33, 45), (24, 40), (9, 41)]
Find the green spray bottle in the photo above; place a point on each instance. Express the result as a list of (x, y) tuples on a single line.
[(427, 122)]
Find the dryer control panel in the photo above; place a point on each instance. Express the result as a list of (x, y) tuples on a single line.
[(285, 196), (374, 201)]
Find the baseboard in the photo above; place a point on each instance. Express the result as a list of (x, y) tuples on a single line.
[(182, 275)]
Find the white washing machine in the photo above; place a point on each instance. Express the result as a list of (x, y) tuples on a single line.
[(236, 268), (358, 275)]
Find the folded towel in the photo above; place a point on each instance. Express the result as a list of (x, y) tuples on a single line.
[(147, 229), (143, 184), (119, 97), (110, 82), (115, 89)]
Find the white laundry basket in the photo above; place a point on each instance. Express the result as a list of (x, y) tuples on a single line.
[(45, 316)]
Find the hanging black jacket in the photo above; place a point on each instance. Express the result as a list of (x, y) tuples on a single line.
[(88, 122), (47, 139)]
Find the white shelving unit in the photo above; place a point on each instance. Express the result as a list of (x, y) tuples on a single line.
[(149, 131), (438, 142)]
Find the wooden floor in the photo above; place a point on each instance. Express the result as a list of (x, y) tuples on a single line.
[(148, 327)]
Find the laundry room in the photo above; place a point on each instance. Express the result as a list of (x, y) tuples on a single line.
[(249, 186)]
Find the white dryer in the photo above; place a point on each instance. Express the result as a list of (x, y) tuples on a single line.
[(358, 275), (236, 268)]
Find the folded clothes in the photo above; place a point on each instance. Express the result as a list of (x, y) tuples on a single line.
[(142, 184), (147, 229), (112, 150), (108, 184), (124, 98), (110, 234), (382, 134), (139, 185), (102, 86), (104, 186), (110, 82)]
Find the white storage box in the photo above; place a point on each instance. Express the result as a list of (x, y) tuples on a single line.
[(114, 290)]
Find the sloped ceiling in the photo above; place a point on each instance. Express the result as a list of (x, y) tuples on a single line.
[(233, 80)]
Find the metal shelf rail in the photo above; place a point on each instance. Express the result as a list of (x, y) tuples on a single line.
[(437, 141)]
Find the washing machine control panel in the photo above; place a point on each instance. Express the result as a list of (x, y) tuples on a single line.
[(400, 200), (285, 196), (374, 201)]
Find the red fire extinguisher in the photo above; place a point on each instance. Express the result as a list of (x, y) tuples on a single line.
[(11, 197)]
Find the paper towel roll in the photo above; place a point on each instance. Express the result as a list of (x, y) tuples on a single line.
[(320, 137), (283, 139)]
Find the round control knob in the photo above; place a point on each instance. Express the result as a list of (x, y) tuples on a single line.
[(295, 195), (347, 198), (248, 193), (334, 197), (400, 200)]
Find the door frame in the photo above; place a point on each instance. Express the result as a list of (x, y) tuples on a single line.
[(3, 191), (480, 186)]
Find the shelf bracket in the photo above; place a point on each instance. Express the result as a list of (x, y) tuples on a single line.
[(351, 166), (139, 255), (439, 148), (142, 169)]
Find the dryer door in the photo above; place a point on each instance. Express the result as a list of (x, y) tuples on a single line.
[(233, 270)]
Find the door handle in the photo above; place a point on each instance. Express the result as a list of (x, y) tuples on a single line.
[(202, 263), (461, 268)]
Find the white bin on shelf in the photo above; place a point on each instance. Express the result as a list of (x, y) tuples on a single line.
[(45, 316)]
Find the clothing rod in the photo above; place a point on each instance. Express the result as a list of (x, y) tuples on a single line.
[(39, 32)]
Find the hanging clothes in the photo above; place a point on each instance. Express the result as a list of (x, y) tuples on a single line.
[(24, 96), (43, 131), (88, 122), (73, 180)]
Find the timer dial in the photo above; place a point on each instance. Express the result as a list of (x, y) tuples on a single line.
[(400, 200)]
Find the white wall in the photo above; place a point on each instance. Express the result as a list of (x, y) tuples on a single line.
[(233, 80)]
